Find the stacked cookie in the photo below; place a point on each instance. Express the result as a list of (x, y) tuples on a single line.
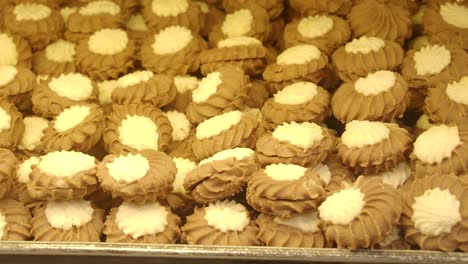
[(236, 122)]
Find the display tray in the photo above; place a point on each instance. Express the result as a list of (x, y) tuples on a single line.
[(24, 252)]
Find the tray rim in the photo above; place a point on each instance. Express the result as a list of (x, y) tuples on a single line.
[(228, 252)]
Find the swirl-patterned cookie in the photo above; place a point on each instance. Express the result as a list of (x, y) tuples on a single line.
[(15, 51), (11, 125), (56, 59), (15, 221)]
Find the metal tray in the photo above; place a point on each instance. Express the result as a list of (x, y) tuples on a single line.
[(40, 252)]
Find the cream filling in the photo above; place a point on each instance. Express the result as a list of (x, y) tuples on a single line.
[(206, 87), (285, 172), (307, 222), (171, 40), (299, 54), (217, 124), (324, 172), (454, 14), (342, 207), (424, 122), (137, 23), (165, 8), (364, 45), (62, 164), (303, 135), (396, 176), (60, 51), (33, 131), (100, 7), (25, 169), (67, 11), (134, 78), (3, 225), (315, 26), (66, 215), (139, 132), (236, 153), (181, 126), (203, 7), (31, 11), (375, 83), (238, 41), (8, 52), (436, 212), (71, 117), (185, 83), (238, 23), (436, 144), (359, 134), (431, 59), (458, 91), (140, 220), (227, 216), (108, 41), (129, 168), (7, 74), (5, 120), (106, 88), (73, 86), (184, 166), (296, 94)]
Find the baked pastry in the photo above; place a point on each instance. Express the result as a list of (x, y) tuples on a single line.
[(446, 23), (221, 176), (16, 84), (68, 221), (370, 147), (297, 102), (51, 97), (144, 87), (20, 187), (160, 14), (298, 63), (360, 215), (397, 176), (274, 8), (246, 53), (94, 16), (106, 54), (339, 7), (334, 173), (435, 213), (212, 15), (15, 221), (105, 91), (137, 28), (285, 190), (257, 94), (180, 201), (56, 59), (447, 102), (8, 162), (63, 175), (219, 92), (225, 131), (78, 127), (366, 55), (383, 19), (11, 125), (326, 32), (248, 20), (184, 85), (173, 50), (441, 149), (422, 124), (182, 136), (394, 241), (39, 24), (305, 144), (221, 223), (155, 224), (299, 231), (379, 96), (136, 127), (419, 42), (15, 51), (31, 142), (138, 177)]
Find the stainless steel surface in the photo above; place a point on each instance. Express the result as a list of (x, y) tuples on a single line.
[(223, 254)]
